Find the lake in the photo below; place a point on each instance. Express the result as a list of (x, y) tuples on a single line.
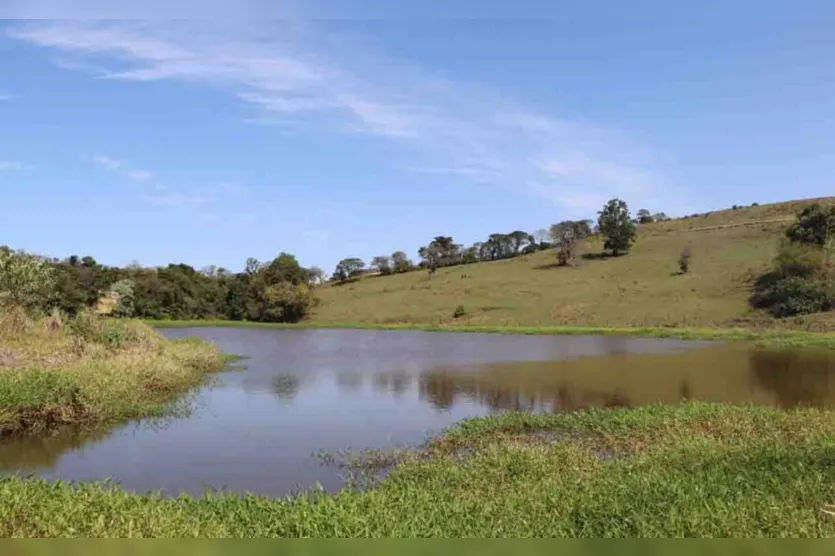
[(306, 390)]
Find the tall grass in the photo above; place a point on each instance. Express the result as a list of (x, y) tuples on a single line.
[(91, 370)]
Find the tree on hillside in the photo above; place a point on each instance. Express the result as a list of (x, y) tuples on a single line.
[(659, 217), (470, 255), (382, 264), (644, 217), (499, 246), (616, 226), (400, 262), (348, 268), (814, 225), (520, 240), (252, 266), (566, 236), (316, 275), (441, 251)]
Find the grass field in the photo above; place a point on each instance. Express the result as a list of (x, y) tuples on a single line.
[(91, 371), (730, 250), (689, 470)]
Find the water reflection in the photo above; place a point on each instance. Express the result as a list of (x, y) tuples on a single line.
[(728, 374), (357, 389), (797, 378), (286, 386)]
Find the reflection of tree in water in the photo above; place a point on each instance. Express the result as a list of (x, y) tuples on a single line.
[(797, 378), (684, 391), (396, 382), (442, 389), (348, 382), (45, 450), (400, 382), (286, 386), (439, 389)]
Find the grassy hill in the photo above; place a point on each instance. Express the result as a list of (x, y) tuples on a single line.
[(730, 249)]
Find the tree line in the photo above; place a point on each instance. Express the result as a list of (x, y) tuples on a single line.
[(614, 223), (280, 290)]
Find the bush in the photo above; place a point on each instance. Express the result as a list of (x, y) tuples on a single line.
[(460, 311), (799, 259), (684, 260), (26, 280), (796, 295)]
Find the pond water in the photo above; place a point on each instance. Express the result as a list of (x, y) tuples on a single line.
[(306, 391)]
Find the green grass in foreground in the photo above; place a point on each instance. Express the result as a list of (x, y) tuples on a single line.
[(690, 470), (771, 338), (91, 371)]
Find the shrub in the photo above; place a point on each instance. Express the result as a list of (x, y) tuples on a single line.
[(25, 280), (460, 311), (684, 260), (799, 259), (796, 295)]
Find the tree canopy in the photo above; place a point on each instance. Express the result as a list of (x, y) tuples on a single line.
[(616, 226)]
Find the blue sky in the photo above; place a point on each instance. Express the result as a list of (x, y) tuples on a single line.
[(335, 129)]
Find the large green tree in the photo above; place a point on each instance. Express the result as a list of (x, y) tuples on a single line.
[(348, 268), (616, 226)]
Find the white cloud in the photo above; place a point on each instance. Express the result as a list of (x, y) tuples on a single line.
[(297, 78), (140, 175), (15, 165), (106, 162), (4, 96)]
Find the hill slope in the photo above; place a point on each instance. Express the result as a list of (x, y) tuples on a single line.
[(730, 249)]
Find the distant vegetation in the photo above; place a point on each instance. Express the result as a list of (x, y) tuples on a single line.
[(699, 271), (276, 291), (615, 294)]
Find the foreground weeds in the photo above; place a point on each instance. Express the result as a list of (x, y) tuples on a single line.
[(691, 470), (89, 370)]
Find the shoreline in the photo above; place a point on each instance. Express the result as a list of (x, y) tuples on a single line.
[(694, 469), (766, 338)]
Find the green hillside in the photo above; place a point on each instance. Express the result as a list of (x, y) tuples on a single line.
[(730, 249)]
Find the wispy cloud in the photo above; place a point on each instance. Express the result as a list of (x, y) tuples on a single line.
[(298, 79), (140, 175), (106, 162), (15, 165), (5, 96)]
